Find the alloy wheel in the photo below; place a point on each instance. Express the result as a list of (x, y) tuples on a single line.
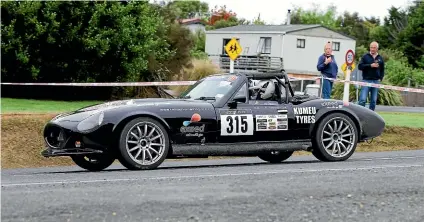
[(338, 137), (145, 143)]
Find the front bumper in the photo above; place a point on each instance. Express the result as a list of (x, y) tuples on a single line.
[(61, 141)]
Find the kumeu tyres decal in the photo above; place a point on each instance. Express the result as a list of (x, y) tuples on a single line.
[(305, 115)]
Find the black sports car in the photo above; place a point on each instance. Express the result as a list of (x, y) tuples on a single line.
[(220, 115)]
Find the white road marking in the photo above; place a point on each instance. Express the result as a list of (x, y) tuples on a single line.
[(210, 175), (390, 158)]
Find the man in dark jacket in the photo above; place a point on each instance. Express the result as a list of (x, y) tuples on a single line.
[(372, 67), (328, 67)]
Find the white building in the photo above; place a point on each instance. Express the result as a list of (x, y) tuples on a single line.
[(299, 46)]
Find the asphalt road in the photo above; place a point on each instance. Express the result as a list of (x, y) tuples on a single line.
[(373, 187)]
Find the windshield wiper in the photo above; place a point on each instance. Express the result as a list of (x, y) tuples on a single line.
[(206, 98)]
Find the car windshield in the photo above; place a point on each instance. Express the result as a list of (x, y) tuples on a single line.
[(210, 88)]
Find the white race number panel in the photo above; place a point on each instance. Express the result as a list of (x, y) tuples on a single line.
[(237, 125)]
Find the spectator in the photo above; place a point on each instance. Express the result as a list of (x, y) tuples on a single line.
[(328, 67), (372, 66)]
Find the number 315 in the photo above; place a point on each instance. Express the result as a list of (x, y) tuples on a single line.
[(240, 124)]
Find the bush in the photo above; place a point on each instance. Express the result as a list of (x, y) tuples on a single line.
[(398, 73), (123, 41), (200, 69), (385, 96), (397, 68)]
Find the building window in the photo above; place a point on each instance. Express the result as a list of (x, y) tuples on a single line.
[(336, 46), (224, 43), (264, 46), (301, 43)]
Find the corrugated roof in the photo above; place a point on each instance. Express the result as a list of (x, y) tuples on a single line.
[(191, 21), (264, 28)]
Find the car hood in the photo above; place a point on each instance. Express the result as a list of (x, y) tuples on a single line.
[(87, 111), (138, 102)]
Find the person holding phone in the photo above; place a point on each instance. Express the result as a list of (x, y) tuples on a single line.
[(372, 67), (328, 67)]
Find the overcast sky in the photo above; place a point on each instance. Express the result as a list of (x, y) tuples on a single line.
[(275, 11)]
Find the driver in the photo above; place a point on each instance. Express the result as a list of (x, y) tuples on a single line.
[(263, 90)]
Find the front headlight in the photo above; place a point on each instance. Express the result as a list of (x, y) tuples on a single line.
[(91, 123)]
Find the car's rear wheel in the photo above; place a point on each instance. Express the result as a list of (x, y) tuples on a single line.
[(144, 144), (336, 138), (93, 162), (276, 156)]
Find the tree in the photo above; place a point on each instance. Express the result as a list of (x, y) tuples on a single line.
[(221, 18), (188, 9), (411, 39), (395, 22), (258, 21), (198, 51), (315, 15), (348, 23), (180, 40), (91, 41)]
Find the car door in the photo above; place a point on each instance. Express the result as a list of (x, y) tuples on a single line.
[(255, 121)]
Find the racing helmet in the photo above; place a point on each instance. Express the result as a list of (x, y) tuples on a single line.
[(264, 88)]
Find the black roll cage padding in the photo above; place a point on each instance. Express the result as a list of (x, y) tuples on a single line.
[(286, 79), (278, 88), (285, 87)]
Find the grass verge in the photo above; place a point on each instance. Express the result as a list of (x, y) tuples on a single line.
[(415, 120), (10, 105), (22, 141)]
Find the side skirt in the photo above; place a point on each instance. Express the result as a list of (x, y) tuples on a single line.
[(235, 149), (69, 151)]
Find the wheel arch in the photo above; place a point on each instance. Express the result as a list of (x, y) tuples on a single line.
[(351, 115)]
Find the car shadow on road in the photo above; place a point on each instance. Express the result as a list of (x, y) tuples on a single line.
[(200, 166)]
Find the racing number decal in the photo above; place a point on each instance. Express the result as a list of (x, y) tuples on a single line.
[(243, 128), (236, 125)]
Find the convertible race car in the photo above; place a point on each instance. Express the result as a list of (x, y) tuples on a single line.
[(220, 115)]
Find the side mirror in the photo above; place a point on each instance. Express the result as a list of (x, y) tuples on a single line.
[(232, 104)]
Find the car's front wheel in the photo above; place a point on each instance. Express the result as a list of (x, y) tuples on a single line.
[(336, 138), (93, 162), (276, 157), (144, 144)]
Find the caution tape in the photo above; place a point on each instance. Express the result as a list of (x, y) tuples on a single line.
[(380, 86), (168, 83), (182, 83)]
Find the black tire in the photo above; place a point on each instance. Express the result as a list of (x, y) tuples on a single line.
[(278, 157), (335, 140), (131, 162), (93, 162), (317, 154)]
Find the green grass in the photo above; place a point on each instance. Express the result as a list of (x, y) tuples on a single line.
[(415, 120), (9, 105)]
